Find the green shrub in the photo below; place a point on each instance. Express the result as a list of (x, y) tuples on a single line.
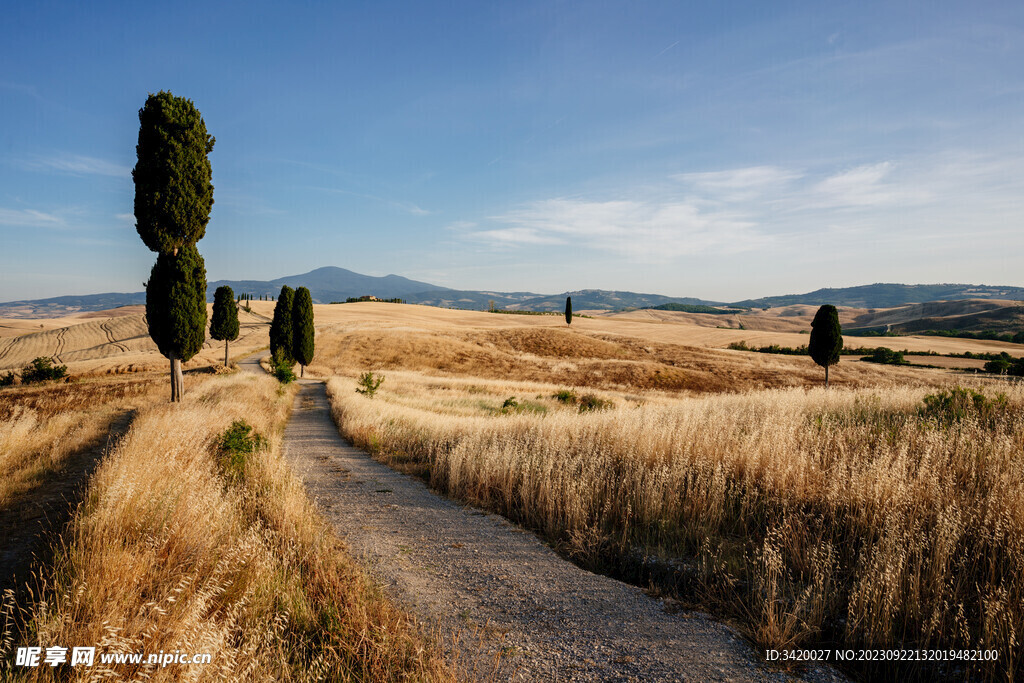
[(998, 366), (960, 403), (235, 446), (368, 384), (42, 369), (282, 368), (7, 380), (886, 356), (510, 405), (567, 396), (589, 403)]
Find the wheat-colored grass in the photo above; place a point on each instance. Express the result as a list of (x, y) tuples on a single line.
[(117, 343), (169, 553), (41, 426), (846, 516)]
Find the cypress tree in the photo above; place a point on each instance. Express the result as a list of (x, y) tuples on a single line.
[(281, 326), (568, 310), (173, 198), (826, 338), (302, 329), (176, 309), (224, 325)]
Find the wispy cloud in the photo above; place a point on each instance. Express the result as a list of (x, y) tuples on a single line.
[(866, 186), (739, 184), (647, 230), (29, 218), (76, 164)]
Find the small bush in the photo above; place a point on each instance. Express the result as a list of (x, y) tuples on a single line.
[(368, 384), (510, 405), (235, 446), (960, 403), (7, 380), (567, 396), (42, 369), (282, 369), (886, 356), (589, 403)]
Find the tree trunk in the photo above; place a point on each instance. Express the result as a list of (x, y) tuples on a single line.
[(302, 370), (225, 353), (174, 384), (177, 379), (826, 377)]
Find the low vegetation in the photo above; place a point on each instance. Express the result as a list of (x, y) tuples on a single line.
[(846, 517), (195, 536)]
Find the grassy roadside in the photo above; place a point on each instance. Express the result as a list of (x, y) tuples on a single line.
[(181, 546), (41, 426), (840, 518)]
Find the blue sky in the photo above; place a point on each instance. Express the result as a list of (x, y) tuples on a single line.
[(719, 150)]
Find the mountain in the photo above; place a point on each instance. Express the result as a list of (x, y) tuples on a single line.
[(58, 306), (329, 284), (886, 295)]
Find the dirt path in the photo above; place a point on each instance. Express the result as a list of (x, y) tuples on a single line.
[(493, 591)]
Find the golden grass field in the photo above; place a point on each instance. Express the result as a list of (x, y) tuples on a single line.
[(854, 515)]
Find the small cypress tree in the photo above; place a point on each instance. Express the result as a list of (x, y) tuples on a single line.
[(302, 329), (281, 326), (826, 340), (224, 325), (176, 309), (568, 310)]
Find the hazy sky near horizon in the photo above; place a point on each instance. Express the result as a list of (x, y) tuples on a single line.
[(718, 150)]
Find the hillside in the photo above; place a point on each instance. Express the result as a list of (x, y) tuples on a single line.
[(887, 295)]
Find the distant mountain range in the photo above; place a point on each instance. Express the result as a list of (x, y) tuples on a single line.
[(337, 284)]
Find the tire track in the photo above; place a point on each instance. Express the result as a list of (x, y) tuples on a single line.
[(60, 344), (105, 326)]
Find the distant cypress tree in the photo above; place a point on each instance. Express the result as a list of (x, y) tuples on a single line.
[(826, 340), (176, 309), (302, 329), (568, 310), (224, 325), (173, 198), (281, 326)]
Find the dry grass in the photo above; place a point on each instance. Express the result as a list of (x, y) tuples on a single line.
[(168, 553), (560, 356), (118, 343), (41, 426), (840, 516)]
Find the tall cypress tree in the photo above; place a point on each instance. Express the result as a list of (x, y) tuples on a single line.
[(224, 325), (302, 329), (568, 310), (826, 340), (281, 326), (173, 199)]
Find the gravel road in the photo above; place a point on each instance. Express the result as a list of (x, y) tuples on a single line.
[(506, 606)]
